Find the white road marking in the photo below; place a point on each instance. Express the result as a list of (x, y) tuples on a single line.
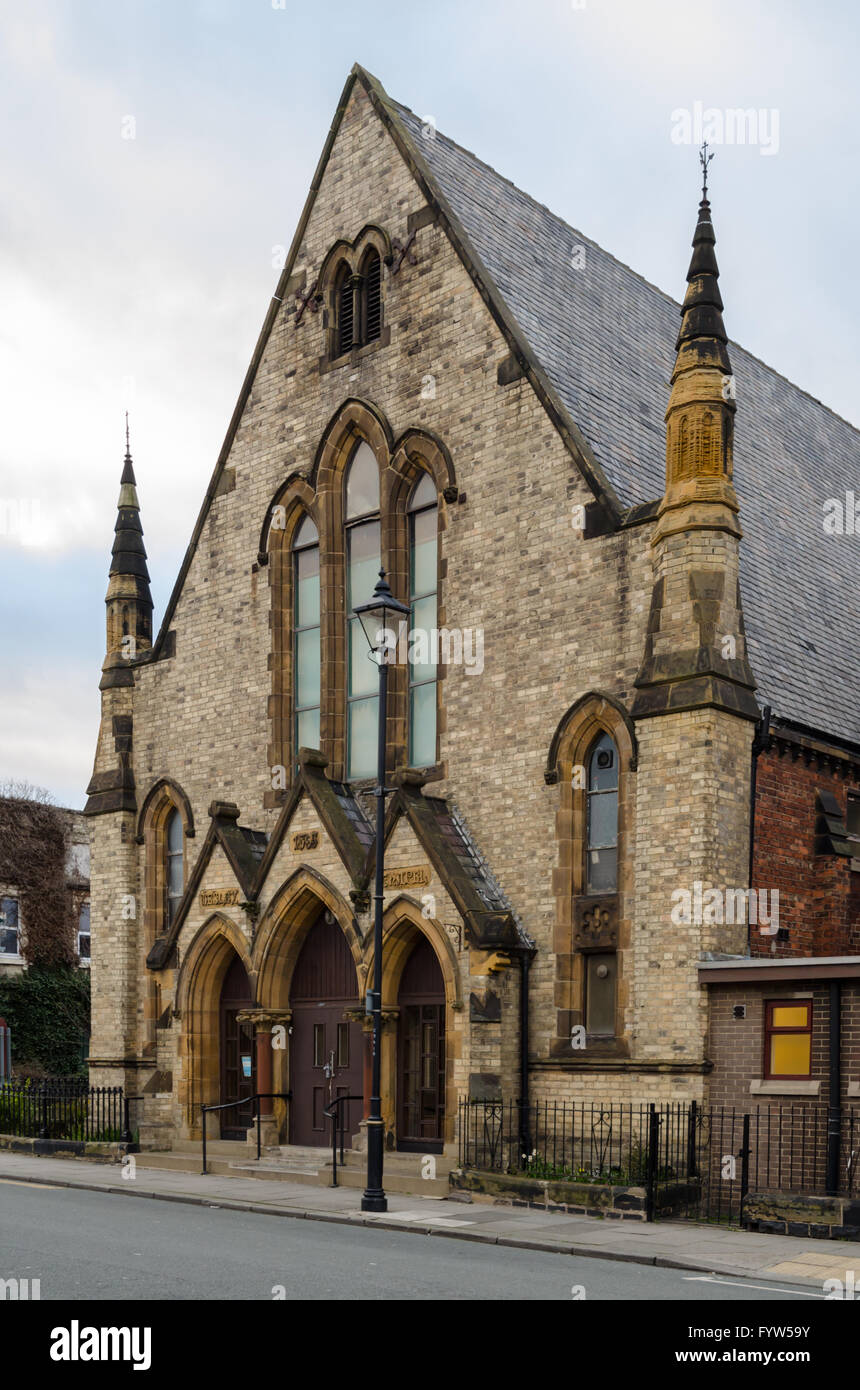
[(708, 1279)]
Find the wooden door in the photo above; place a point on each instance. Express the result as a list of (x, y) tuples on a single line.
[(236, 1042), (421, 1053), (325, 1047)]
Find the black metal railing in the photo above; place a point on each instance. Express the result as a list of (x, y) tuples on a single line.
[(64, 1108), (245, 1100), (694, 1160), (334, 1113), (569, 1141)]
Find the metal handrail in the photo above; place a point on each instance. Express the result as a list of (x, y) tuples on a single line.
[(244, 1100), (329, 1112)]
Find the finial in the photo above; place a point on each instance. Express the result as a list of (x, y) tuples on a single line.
[(127, 448), (704, 160)]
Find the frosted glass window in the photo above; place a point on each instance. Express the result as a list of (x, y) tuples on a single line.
[(788, 1039), (363, 562), (423, 569), (174, 864), (601, 854), (306, 636), (362, 483)]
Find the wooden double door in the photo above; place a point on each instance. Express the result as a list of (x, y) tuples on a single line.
[(325, 1046)]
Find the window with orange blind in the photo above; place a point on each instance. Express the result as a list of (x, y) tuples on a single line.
[(788, 1040)]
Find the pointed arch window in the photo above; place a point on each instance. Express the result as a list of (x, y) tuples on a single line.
[(371, 286), (423, 673), (174, 875), (306, 636), (363, 561), (344, 309), (357, 304), (601, 850)]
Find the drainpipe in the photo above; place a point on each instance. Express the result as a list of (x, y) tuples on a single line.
[(759, 744), (834, 1111), (525, 1128)]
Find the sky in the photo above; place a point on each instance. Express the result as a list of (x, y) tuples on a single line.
[(155, 154)]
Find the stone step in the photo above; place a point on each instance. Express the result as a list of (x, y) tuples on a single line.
[(410, 1185), (182, 1163), (406, 1165), (223, 1148), (311, 1167)]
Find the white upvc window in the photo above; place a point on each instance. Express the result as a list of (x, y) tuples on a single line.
[(10, 927)]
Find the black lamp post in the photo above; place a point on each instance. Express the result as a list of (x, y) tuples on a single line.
[(379, 619)]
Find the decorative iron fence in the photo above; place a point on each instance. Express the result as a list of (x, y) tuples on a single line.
[(64, 1108), (561, 1140), (693, 1160)]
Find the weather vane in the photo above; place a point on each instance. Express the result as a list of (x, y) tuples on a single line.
[(704, 160)]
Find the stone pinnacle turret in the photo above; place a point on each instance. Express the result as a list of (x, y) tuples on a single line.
[(695, 648), (128, 599)]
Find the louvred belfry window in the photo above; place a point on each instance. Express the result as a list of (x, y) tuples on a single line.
[(372, 272), (345, 311)]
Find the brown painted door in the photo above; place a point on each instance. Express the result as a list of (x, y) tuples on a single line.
[(421, 1053), (237, 1042), (325, 1048)]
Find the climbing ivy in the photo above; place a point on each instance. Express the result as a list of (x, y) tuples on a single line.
[(48, 1010)]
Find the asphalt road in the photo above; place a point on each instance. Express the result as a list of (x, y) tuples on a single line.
[(92, 1245)]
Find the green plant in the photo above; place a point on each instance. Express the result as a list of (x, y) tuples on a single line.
[(48, 1010)]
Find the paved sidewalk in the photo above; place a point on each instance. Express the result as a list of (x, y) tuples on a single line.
[(678, 1245)]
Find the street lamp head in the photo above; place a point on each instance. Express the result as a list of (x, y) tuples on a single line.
[(381, 614)]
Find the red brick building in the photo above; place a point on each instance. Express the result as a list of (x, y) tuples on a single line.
[(785, 1020)]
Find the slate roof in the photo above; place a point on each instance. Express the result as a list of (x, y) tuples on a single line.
[(605, 339)]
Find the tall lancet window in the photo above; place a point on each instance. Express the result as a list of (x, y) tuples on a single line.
[(174, 876), (362, 567), (601, 855), (306, 636), (422, 621)]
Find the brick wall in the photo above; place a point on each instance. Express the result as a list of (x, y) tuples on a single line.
[(819, 895)]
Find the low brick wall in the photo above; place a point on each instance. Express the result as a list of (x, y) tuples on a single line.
[(793, 1214), (66, 1148), (575, 1198)]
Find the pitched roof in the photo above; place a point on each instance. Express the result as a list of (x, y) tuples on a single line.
[(598, 343), (605, 338)]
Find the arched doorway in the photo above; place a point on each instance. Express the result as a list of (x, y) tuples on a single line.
[(325, 1047), (421, 1052), (238, 1061)]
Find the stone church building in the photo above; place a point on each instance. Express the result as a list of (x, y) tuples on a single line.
[(630, 683)]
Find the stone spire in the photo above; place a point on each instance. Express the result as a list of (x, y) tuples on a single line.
[(695, 649), (700, 415), (128, 599)]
